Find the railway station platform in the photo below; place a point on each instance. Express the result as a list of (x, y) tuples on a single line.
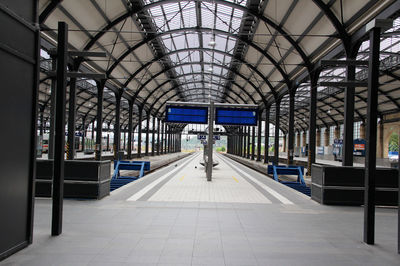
[(173, 216)]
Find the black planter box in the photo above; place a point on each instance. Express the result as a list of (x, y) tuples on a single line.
[(344, 185), (82, 179)]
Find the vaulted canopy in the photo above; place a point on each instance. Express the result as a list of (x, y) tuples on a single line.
[(238, 51)]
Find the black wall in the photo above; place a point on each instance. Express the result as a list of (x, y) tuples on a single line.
[(18, 92)]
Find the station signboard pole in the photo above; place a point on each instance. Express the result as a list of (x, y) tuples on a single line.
[(210, 142)]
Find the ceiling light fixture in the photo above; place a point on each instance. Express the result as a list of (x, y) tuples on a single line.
[(212, 43)]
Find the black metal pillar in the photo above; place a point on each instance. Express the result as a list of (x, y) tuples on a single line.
[(158, 136), (370, 152), (83, 132), (93, 130), (228, 144), (153, 142), (52, 111), (237, 141), (244, 141), (161, 146), (41, 125), (99, 121), (130, 129), (313, 119), (248, 143), (253, 141), (108, 139), (117, 125), (348, 125), (165, 138), (124, 138), (174, 142), (59, 139), (231, 148), (146, 152), (139, 149), (276, 139), (168, 144), (259, 136), (71, 119), (290, 151), (266, 136), (240, 141)]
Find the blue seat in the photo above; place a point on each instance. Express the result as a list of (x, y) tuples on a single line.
[(118, 181), (299, 184)]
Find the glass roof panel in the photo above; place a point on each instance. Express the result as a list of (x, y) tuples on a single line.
[(214, 16)]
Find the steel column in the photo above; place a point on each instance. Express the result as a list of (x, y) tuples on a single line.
[(130, 129), (234, 145), (168, 139), (348, 123), (146, 152), (244, 142), (124, 139), (259, 136), (228, 144), (153, 136), (290, 151), (117, 125), (52, 111), (248, 143), (92, 130), (253, 141), (237, 141), (158, 136), (276, 140), (266, 136), (41, 125), (171, 146), (59, 139), (161, 146), (313, 119), (99, 123), (240, 141), (71, 119), (108, 140), (210, 141), (370, 151), (139, 151), (83, 133)]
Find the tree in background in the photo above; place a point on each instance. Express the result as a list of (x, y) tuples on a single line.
[(394, 142)]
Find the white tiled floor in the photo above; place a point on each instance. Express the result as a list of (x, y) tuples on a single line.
[(190, 185), (117, 232)]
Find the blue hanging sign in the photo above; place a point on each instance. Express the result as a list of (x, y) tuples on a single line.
[(186, 114), (235, 116)]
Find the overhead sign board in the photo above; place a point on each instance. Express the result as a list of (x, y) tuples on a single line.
[(201, 137), (186, 114), (235, 116)]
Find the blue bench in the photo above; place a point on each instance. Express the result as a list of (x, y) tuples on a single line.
[(299, 185), (118, 181)]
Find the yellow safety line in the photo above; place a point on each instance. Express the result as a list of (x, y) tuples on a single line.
[(182, 178), (235, 179)]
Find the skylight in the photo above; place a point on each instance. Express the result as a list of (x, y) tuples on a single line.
[(217, 22)]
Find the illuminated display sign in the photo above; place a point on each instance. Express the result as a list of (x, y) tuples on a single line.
[(187, 114), (232, 116)]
